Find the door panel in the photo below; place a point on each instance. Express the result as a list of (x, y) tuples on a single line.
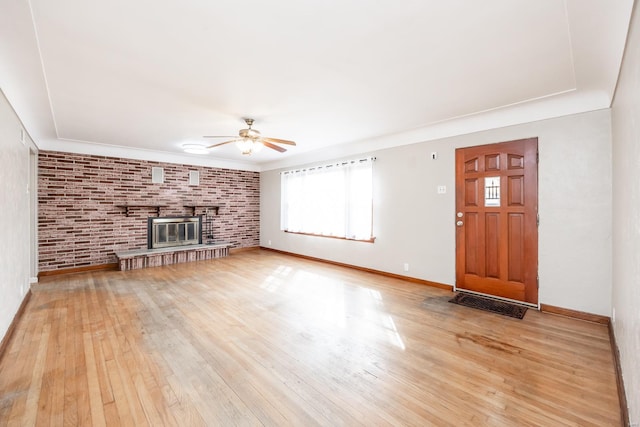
[(496, 233), (515, 161), (492, 162), (492, 236), (471, 192), (471, 250), (471, 165), (515, 191), (516, 248)]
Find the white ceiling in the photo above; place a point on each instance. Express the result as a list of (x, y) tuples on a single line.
[(141, 78)]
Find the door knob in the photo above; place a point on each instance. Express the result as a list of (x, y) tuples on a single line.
[(459, 223)]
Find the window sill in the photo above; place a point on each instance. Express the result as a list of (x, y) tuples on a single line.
[(371, 240)]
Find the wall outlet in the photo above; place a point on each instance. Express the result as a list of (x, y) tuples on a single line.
[(269, 242), (434, 155), (442, 189), (613, 315), (406, 266)]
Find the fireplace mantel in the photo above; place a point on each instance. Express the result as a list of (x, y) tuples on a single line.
[(127, 207), (193, 207)]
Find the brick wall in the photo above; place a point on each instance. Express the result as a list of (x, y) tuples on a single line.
[(79, 223)]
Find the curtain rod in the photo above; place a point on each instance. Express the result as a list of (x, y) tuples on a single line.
[(372, 159)]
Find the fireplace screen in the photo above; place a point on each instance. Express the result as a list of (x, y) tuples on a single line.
[(165, 232)]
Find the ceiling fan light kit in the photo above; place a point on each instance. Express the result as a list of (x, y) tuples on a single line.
[(249, 146), (250, 141), (195, 148)]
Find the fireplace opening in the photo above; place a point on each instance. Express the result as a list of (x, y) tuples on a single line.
[(165, 232)]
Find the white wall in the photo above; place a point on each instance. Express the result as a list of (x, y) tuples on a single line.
[(415, 225), (15, 215), (626, 218)]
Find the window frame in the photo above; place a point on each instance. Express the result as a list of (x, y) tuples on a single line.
[(347, 207)]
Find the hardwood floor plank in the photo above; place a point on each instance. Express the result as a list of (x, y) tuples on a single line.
[(78, 399), (74, 397), (56, 357), (187, 411), (125, 417), (111, 417), (262, 338), (31, 410), (18, 372), (93, 387), (94, 327)]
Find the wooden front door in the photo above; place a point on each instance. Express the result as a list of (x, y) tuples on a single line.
[(496, 219)]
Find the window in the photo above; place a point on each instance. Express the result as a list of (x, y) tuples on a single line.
[(333, 200), (492, 191)]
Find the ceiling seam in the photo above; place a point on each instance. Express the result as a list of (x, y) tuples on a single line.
[(44, 73), (634, 10), (573, 62)]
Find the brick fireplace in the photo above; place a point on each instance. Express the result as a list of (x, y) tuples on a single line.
[(82, 221)]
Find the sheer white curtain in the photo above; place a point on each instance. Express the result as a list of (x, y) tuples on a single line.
[(333, 200)]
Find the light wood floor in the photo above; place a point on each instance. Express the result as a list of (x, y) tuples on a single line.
[(261, 338)]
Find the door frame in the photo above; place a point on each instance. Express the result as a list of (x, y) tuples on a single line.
[(535, 208)]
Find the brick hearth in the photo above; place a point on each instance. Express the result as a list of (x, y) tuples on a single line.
[(143, 258)]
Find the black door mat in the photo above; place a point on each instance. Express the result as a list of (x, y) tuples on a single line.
[(487, 304)]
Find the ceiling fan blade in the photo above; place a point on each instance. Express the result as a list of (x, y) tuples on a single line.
[(279, 141), (219, 136), (223, 143), (273, 146)]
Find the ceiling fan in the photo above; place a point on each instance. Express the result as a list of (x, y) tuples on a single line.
[(249, 140)]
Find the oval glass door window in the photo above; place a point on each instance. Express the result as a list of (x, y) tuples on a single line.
[(492, 191)]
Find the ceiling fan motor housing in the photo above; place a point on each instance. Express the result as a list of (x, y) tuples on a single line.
[(249, 133)]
